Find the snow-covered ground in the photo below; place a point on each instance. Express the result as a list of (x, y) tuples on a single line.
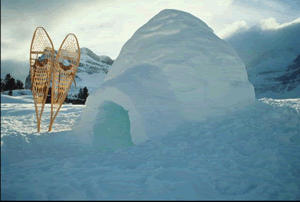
[(249, 154)]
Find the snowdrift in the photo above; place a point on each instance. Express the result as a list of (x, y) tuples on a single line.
[(248, 154), (173, 69), (18, 96)]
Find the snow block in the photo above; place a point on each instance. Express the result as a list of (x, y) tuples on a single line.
[(173, 69)]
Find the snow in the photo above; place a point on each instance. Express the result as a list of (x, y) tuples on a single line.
[(90, 73), (248, 154), (265, 71), (174, 58), (136, 125), (19, 96), (268, 55), (91, 81)]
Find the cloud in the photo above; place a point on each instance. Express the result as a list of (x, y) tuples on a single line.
[(108, 24), (4, 45), (275, 5), (281, 6), (19, 19), (264, 37), (271, 23), (232, 28), (297, 21), (265, 24), (100, 28), (253, 11)]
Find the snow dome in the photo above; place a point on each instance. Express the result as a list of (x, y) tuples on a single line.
[(173, 69)]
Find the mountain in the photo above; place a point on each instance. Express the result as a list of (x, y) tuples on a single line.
[(272, 60), (91, 71), (276, 74)]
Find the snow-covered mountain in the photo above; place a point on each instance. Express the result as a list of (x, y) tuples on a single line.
[(272, 59), (276, 74), (91, 71)]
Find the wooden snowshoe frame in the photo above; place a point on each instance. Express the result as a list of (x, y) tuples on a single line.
[(65, 68), (41, 64)]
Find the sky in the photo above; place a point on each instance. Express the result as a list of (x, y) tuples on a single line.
[(104, 26)]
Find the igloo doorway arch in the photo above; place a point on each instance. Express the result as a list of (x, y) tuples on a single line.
[(112, 127), (113, 95)]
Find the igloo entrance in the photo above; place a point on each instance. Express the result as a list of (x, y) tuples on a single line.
[(112, 127)]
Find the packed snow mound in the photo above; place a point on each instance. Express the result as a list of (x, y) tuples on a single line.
[(173, 68)]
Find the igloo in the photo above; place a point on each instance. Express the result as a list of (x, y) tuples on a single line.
[(173, 69)]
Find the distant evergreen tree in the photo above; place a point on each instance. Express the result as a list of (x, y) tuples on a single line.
[(50, 91), (7, 78), (80, 94), (20, 84), (2, 85), (83, 94), (66, 99), (10, 92), (6, 82), (10, 83), (48, 100)]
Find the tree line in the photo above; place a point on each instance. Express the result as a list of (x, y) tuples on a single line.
[(79, 98), (9, 83)]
